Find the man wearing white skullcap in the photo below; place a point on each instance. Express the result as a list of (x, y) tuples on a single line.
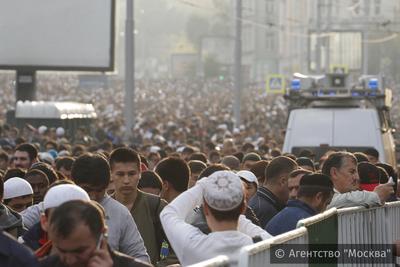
[(18, 194), (56, 196), (10, 220), (223, 198)]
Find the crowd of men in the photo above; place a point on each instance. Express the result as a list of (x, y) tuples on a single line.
[(121, 205), (186, 187)]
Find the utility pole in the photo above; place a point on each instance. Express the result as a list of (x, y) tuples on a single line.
[(327, 38), (318, 40), (238, 63), (129, 70)]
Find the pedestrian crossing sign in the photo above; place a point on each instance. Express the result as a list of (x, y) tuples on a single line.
[(275, 84)]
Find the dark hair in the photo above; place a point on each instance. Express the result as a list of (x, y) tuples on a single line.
[(213, 153), (1, 189), (47, 169), (277, 167), (297, 172), (259, 168), (4, 156), (28, 148), (150, 179), (372, 152), (361, 157), (336, 160), (391, 172), (64, 162), (188, 150), (15, 172), (196, 166), (92, 169), (303, 161), (239, 155), (231, 162), (66, 217), (383, 175), (124, 155), (276, 152), (199, 156), (290, 155), (52, 143), (78, 150), (35, 172), (313, 183), (251, 156), (247, 146), (229, 215), (306, 153), (211, 169), (175, 171)]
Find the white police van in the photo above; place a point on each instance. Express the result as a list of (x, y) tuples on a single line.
[(326, 113)]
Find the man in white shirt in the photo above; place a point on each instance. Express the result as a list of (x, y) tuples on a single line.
[(223, 198)]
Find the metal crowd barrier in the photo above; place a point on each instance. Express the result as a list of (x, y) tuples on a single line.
[(259, 254), (392, 210), (349, 226), (219, 261)]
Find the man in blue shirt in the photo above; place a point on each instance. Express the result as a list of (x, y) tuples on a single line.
[(272, 196), (314, 195)]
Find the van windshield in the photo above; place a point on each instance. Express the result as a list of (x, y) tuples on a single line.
[(320, 151)]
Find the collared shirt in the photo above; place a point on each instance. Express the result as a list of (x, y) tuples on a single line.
[(286, 220), (265, 205)]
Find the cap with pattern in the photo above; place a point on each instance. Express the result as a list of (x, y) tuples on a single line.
[(223, 191)]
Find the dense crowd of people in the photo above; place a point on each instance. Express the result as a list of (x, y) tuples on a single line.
[(186, 187)]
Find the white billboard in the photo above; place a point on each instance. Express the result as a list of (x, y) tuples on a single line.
[(57, 34)]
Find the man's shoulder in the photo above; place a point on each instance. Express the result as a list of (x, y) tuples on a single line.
[(19, 254), (153, 200), (122, 260)]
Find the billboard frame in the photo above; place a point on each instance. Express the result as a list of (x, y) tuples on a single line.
[(111, 63)]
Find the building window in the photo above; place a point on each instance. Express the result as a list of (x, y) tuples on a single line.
[(377, 7), (367, 7), (269, 6)]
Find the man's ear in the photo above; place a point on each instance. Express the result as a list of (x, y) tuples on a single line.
[(333, 172), (44, 222), (244, 207), (206, 209), (165, 185)]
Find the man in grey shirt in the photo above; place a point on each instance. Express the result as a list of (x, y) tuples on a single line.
[(341, 167), (92, 173)]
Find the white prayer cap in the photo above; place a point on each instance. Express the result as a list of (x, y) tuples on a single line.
[(60, 131), (248, 176), (223, 191), (16, 187), (42, 129), (47, 157), (154, 149), (62, 193)]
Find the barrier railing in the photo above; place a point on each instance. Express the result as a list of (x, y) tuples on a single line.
[(349, 226), (220, 261), (259, 254)]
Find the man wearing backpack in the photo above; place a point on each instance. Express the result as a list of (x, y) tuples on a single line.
[(145, 208)]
